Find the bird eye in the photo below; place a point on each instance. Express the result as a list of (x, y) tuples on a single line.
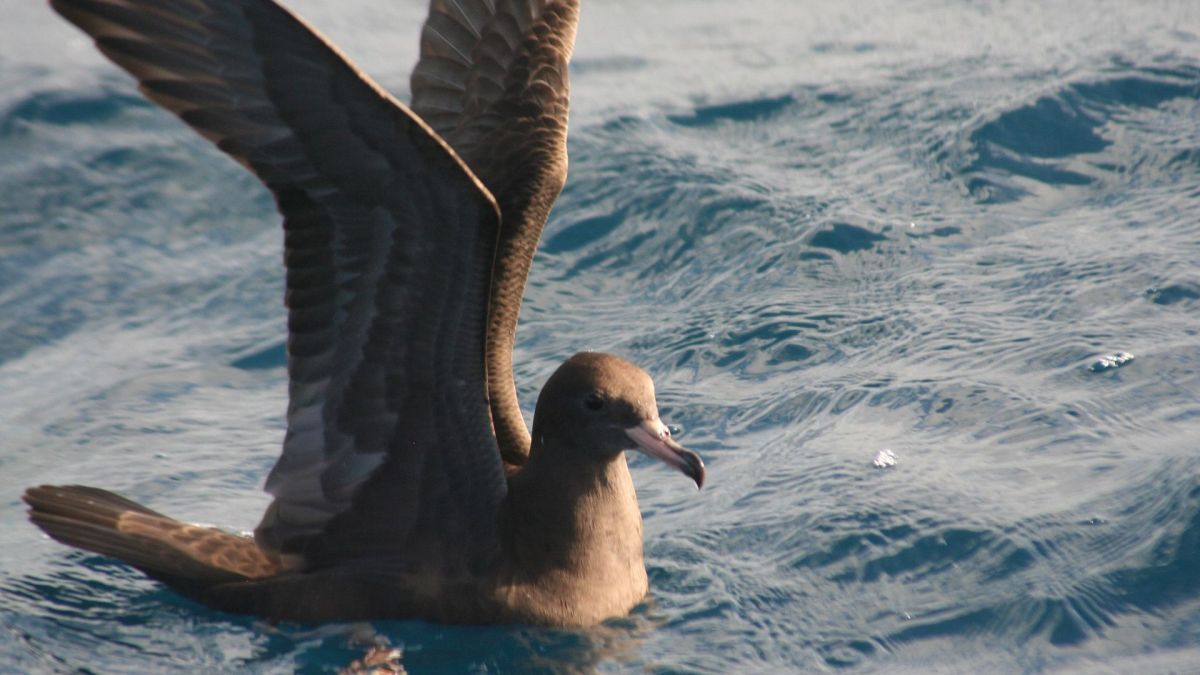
[(594, 401)]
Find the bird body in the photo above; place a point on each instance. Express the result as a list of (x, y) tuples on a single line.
[(408, 485)]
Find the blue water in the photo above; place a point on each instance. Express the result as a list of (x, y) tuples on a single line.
[(826, 229)]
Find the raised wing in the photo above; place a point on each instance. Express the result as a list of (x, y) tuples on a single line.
[(389, 242), (492, 80)]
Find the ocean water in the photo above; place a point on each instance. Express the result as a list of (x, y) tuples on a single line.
[(826, 228)]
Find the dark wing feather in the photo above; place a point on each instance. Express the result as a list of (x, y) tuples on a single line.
[(389, 242), (492, 80)]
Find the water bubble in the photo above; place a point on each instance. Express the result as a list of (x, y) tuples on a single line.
[(1110, 362)]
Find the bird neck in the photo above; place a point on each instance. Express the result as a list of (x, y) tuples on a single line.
[(573, 513)]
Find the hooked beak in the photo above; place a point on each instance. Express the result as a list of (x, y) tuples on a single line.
[(654, 439)]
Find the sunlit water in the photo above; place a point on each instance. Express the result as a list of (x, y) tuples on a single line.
[(827, 229)]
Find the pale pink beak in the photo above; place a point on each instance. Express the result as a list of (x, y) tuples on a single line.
[(653, 439)]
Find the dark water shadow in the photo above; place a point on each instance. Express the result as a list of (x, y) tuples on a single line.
[(263, 357), (738, 111), (67, 108), (1174, 293), (1059, 139), (845, 238)]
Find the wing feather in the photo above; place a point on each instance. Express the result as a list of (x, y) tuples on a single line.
[(389, 241), (492, 80)]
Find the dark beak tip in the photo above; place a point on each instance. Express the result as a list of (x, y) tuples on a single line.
[(695, 470)]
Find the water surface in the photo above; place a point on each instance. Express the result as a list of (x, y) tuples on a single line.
[(825, 228)]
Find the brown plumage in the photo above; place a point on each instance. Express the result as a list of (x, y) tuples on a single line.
[(408, 485)]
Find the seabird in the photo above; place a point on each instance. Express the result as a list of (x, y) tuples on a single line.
[(409, 485)]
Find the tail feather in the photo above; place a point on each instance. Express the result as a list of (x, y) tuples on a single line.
[(183, 555)]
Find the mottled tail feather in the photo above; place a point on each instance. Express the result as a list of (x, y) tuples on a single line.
[(83, 503), (186, 556)]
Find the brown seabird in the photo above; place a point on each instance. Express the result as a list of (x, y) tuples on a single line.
[(408, 486)]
